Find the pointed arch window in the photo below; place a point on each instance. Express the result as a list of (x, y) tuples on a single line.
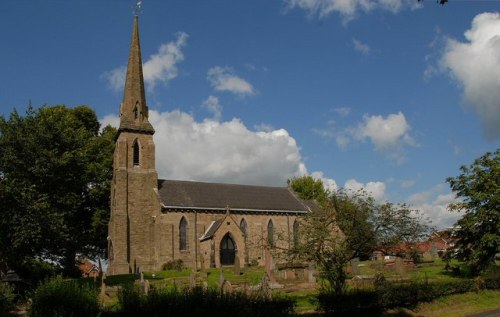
[(136, 153), (270, 233), (244, 227), (183, 234), (295, 233)]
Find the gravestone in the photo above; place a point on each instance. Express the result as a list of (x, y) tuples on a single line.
[(311, 273), (237, 268), (399, 266), (354, 267), (192, 280), (227, 287)]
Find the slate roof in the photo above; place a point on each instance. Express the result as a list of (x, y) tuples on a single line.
[(198, 195)]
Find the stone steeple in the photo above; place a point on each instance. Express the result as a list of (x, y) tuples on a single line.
[(134, 110)]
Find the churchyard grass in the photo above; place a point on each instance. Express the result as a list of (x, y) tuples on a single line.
[(459, 305)]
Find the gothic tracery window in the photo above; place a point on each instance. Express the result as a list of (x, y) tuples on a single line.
[(183, 235), (270, 233), (244, 227), (136, 153)]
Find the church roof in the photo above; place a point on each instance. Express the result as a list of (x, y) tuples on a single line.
[(216, 196)]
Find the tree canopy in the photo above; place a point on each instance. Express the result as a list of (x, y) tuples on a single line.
[(478, 231), (350, 225), (55, 172)]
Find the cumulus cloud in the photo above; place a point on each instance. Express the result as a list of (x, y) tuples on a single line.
[(389, 135), (328, 183), (348, 9), (162, 66), (375, 189), (221, 151), (159, 67), (434, 205), (475, 65), (361, 47), (213, 105), (225, 79)]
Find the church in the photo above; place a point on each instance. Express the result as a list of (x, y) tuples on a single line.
[(155, 221)]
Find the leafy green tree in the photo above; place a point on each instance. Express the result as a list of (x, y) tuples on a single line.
[(478, 231), (309, 188), (55, 172), (350, 225)]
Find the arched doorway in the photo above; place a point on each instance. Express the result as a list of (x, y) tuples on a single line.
[(227, 250)]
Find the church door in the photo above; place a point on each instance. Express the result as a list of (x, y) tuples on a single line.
[(227, 250)]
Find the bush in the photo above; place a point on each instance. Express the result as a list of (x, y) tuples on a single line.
[(353, 303), (6, 299), (197, 302), (64, 298), (173, 265)]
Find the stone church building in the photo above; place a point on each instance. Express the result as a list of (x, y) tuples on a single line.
[(155, 221)]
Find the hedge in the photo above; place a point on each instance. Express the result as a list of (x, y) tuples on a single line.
[(389, 295), (197, 302)]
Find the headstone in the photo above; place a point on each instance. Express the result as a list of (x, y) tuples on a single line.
[(102, 294), (399, 266), (237, 268), (142, 277), (227, 287), (354, 267), (311, 273), (192, 280), (145, 287), (222, 279), (202, 263), (265, 288), (268, 265)]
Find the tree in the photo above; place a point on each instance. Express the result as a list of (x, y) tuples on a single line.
[(55, 172), (350, 225), (309, 188), (478, 231)]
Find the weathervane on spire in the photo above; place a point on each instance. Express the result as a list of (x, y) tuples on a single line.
[(137, 8)]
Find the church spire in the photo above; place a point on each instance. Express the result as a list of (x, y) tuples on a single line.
[(134, 111)]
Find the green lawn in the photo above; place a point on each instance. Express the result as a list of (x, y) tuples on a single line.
[(455, 305)]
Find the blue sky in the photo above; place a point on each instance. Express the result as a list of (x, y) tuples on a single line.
[(386, 94)]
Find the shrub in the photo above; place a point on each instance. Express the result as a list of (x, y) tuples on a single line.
[(173, 265), (6, 299), (353, 303), (198, 302), (64, 298)]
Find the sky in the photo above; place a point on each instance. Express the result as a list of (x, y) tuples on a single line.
[(388, 95)]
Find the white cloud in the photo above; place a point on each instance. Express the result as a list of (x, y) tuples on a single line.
[(348, 9), (160, 67), (225, 79), (221, 151), (361, 47), (213, 105), (328, 183), (375, 189), (264, 127), (343, 111), (389, 135), (475, 64), (111, 120), (434, 205)]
